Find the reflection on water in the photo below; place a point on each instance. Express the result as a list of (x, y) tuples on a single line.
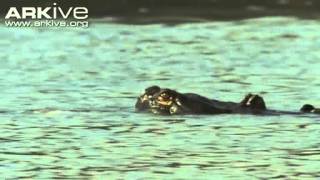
[(68, 96)]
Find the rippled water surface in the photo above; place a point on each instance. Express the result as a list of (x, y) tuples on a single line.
[(68, 94)]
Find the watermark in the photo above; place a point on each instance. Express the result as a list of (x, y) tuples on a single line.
[(53, 16)]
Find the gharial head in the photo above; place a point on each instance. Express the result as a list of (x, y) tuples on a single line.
[(307, 108), (163, 101), (143, 102)]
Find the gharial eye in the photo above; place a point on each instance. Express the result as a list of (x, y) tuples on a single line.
[(165, 96)]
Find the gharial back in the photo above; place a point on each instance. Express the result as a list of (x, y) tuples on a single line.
[(198, 104)]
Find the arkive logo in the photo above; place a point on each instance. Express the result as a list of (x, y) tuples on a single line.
[(52, 16), (53, 12)]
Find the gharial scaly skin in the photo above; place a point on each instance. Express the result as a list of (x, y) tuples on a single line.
[(170, 102)]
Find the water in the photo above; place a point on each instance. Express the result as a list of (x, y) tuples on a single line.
[(68, 95)]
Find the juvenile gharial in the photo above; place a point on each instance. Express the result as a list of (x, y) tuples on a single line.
[(167, 101)]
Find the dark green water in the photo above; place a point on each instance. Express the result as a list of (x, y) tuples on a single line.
[(68, 95)]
